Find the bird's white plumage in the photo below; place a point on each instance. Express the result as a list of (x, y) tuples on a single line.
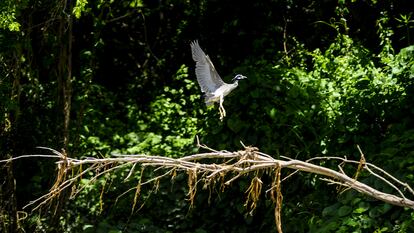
[(207, 76)]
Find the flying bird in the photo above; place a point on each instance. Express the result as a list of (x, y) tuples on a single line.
[(213, 87)]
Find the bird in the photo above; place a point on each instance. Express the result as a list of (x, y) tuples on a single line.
[(213, 87)]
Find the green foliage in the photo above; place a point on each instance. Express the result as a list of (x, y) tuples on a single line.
[(8, 13), (360, 95), (168, 127), (81, 6), (352, 213), (310, 91), (407, 23)]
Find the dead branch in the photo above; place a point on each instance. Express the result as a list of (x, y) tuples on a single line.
[(216, 165)]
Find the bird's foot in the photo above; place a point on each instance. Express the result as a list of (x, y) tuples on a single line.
[(221, 115), (222, 112)]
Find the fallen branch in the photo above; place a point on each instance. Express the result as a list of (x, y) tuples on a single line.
[(234, 165)]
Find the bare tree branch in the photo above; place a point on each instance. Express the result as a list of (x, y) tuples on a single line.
[(219, 165)]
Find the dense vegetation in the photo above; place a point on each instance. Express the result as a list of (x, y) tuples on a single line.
[(101, 77)]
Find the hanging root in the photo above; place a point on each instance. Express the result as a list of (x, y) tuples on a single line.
[(253, 194), (277, 198)]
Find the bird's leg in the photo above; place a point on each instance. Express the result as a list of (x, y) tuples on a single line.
[(221, 108), (221, 105)]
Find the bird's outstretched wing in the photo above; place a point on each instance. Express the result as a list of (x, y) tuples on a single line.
[(207, 76)]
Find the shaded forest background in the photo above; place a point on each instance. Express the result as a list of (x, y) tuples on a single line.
[(102, 77)]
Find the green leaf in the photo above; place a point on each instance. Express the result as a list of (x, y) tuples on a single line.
[(331, 210), (362, 207), (344, 210)]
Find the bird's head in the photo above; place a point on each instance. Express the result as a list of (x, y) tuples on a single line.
[(238, 77)]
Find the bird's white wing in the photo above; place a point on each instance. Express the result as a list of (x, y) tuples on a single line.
[(207, 76)]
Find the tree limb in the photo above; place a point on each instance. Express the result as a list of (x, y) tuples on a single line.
[(210, 166)]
